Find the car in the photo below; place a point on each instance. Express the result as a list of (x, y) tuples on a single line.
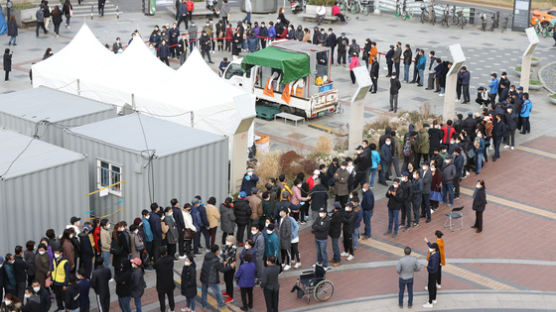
[(544, 15)]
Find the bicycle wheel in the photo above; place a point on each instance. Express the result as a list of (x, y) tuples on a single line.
[(323, 291), (537, 28), (423, 18), (343, 6), (404, 16), (354, 8), (365, 10)]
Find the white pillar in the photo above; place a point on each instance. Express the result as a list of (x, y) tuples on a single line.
[(239, 155), (451, 82), (526, 58), (357, 108)]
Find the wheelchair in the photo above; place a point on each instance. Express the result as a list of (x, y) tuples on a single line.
[(313, 284)]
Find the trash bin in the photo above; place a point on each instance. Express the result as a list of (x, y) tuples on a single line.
[(149, 7)]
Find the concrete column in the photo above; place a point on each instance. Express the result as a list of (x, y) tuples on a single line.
[(526, 58), (357, 108), (451, 82), (239, 157)]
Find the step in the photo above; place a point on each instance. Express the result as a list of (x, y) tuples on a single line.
[(111, 8), (95, 15)]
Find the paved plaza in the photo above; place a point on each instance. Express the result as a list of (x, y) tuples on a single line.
[(510, 266)]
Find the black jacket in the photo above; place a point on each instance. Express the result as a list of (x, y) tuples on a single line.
[(335, 225), (165, 274), (137, 283), (319, 197), (363, 161), (348, 222), (269, 277), (99, 281), (12, 28), (242, 211), (85, 248), (20, 270), (123, 281), (178, 217), (479, 200), (7, 62), (469, 125), (342, 43), (189, 281), (406, 188), (499, 129), (321, 228), (407, 55), (44, 299), (210, 272), (435, 135), (368, 200), (71, 297), (395, 202), (395, 86), (374, 70), (32, 305)]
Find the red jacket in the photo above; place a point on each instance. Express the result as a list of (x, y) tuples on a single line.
[(311, 182), (190, 5), (446, 138), (96, 238)]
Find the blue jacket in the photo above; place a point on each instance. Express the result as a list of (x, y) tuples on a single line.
[(9, 283), (252, 251), (196, 216), (375, 157), (248, 183), (147, 230), (458, 161), (464, 77), (246, 275), (386, 153), (358, 218), (252, 43), (389, 56), (368, 201), (493, 85), (271, 245), (156, 227), (272, 32), (295, 228), (434, 263), (203, 213), (422, 62), (84, 286), (526, 108)]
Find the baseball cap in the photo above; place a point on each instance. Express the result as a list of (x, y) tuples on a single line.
[(74, 219), (136, 261)]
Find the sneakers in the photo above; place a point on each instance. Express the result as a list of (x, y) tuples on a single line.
[(335, 264), (434, 302), (506, 146), (287, 267), (297, 265), (512, 148), (344, 254), (225, 294), (350, 257), (426, 288), (186, 309), (427, 305), (230, 299)]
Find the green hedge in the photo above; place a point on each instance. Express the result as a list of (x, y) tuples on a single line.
[(323, 2), (535, 82), (553, 96)]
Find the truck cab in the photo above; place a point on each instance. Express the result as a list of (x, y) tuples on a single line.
[(290, 75)]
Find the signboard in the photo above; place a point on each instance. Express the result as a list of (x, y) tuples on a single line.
[(521, 15)]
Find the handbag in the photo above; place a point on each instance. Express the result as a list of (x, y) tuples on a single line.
[(436, 196), (189, 234)]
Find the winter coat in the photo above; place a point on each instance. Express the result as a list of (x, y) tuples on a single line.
[(407, 56), (348, 222), (493, 86), (368, 201), (147, 232), (427, 180), (69, 252), (319, 197), (424, 144), (335, 225), (99, 281), (246, 275), (259, 241), (341, 177), (386, 153), (42, 266), (84, 288), (213, 215), (248, 183), (321, 228), (123, 281), (269, 277), (449, 173), (12, 29), (189, 281), (395, 202), (211, 269), (524, 111), (156, 226), (256, 205), (227, 218), (71, 297), (479, 199), (137, 283), (172, 230), (7, 62), (389, 56), (163, 51), (165, 274), (421, 64), (272, 245), (242, 211), (285, 233), (435, 138), (137, 245), (434, 263), (511, 120)]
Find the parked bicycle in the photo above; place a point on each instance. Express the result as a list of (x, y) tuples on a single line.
[(427, 16), (446, 17), (462, 20), (365, 7), (505, 23)]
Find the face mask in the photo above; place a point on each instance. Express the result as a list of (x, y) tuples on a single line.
[(27, 296), (433, 169), (478, 185), (348, 209), (299, 185), (253, 232), (322, 215), (395, 186), (424, 168), (136, 231), (268, 232), (187, 263), (228, 243), (431, 250), (249, 173), (8, 302), (414, 177), (387, 143), (343, 167), (315, 177), (72, 236), (41, 253), (168, 214), (282, 214), (36, 289), (247, 247), (57, 256), (107, 226), (147, 217)]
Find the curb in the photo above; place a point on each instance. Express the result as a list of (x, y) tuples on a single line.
[(542, 80)]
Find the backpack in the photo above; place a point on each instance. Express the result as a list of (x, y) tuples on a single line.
[(407, 147)]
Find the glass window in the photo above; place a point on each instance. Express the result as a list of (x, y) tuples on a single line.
[(109, 174), (115, 178), (233, 70), (104, 174)]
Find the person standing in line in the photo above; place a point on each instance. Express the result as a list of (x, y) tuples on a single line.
[(165, 279), (123, 289), (147, 237), (180, 225), (448, 175), (86, 252), (137, 282), (72, 294), (389, 61), (395, 87), (99, 282), (259, 246), (397, 57), (42, 263), (20, 272), (374, 73), (284, 238), (84, 285), (440, 243), (386, 159), (270, 284), (395, 203), (320, 229), (493, 88), (334, 231), (7, 63), (353, 63), (511, 118), (479, 205), (228, 218), (242, 212), (228, 255), (432, 267), (170, 230), (431, 78), (416, 196), (342, 42), (525, 111), (348, 225), (246, 281), (407, 56), (367, 204), (43, 294), (421, 64), (156, 228), (12, 31), (406, 267), (60, 275), (256, 205), (189, 283)]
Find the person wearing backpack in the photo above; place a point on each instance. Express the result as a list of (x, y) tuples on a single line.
[(423, 145)]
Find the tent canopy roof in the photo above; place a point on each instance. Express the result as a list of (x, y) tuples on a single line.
[(293, 65)]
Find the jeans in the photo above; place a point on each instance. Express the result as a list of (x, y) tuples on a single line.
[(355, 237), (497, 142), (322, 255), (372, 173), (367, 215), (336, 249), (247, 18), (216, 290), (406, 72), (397, 68), (12, 40), (416, 202), (106, 256), (479, 162), (137, 302), (421, 77), (409, 284), (190, 303), (448, 189), (384, 172), (393, 220), (125, 303)]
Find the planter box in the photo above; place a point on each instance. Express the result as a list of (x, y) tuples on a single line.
[(24, 17)]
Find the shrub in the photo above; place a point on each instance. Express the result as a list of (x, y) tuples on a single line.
[(289, 163), (268, 165), (323, 2), (309, 165), (553, 96), (535, 82), (324, 144)]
